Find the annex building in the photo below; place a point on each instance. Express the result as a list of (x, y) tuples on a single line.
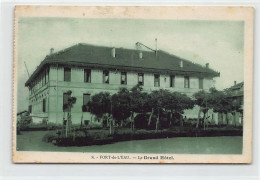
[(88, 69)]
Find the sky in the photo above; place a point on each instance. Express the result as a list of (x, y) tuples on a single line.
[(219, 43)]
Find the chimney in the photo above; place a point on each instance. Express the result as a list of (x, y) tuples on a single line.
[(51, 51), (181, 64), (138, 47), (235, 82), (140, 55), (207, 65), (113, 52)]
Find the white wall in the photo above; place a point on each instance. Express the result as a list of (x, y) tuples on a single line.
[(79, 87)]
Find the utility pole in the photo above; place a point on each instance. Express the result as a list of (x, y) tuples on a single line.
[(26, 69), (29, 87), (71, 101)]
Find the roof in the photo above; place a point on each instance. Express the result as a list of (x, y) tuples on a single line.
[(237, 86), (100, 56), (237, 90), (19, 113)]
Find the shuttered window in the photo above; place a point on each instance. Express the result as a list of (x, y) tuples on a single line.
[(172, 81), (67, 74), (86, 99), (106, 77), (200, 83), (141, 78), (186, 82), (123, 78), (30, 109), (44, 105), (65, 102), (87, 75), (156, 80)]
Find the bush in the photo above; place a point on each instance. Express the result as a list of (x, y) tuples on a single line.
[(49, 137), (94, 126), (141, 121)]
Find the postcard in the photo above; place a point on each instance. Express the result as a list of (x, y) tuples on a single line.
[(132, 84)]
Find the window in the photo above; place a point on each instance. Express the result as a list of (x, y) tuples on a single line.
[(65, 102), (87, 75), (172, 81), (30, 109), (186, 82), (86, 99), (67, 74), (141, 78), (106, 77), (123, 78), (44, 105), (200, 83), (156, 80)]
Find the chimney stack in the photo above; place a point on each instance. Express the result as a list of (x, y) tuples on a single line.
[(113, 52), (235, 82), (181, 64), (138, 47), (51, 51), (207, 65), (140, 55)]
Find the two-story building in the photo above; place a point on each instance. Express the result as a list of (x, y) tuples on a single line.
[(236, 92), (88, 69)]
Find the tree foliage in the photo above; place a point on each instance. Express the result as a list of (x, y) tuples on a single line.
[(129, 103), (121, 108), (139, 100), (100, 104)]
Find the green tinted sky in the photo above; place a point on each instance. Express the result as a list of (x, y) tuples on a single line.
[(219, 43)]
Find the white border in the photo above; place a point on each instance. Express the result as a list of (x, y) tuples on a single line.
[(8, 170)]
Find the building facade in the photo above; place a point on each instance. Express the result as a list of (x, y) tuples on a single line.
[(236, 92), (87, 69)]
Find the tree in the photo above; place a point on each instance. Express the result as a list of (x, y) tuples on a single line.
[(165, 102), (202, 99), (177, 103), (138, 103), (69, 105), (233, 105), (24, 120), (101, 106), (159, 102), (121, 105), (223, 102)]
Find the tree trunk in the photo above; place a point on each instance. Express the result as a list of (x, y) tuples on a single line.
[(110, 126), (132, 120), (81, 122), (223, 118), (157, 122), (234, 119), (204, 121), (220, 119), (207, 120), (181, 121), (170, 119), (227, 119), (198, 120), (107, 122), (133, 125), (150, 117)]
